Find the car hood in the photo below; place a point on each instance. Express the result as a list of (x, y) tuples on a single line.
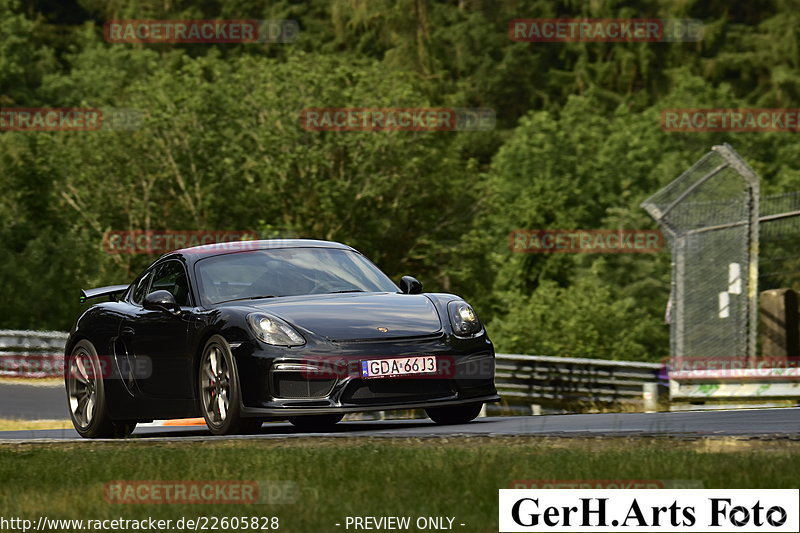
[(358, 316)]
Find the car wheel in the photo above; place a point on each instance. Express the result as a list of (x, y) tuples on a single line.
[(220, 392), (315, 422), (86, 395), (456, 414)]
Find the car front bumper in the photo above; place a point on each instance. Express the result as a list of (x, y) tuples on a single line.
[(284, 382)]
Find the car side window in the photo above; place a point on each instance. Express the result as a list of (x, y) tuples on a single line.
[(140, 290), (171, 277)]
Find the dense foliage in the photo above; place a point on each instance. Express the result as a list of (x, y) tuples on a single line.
[(577, 144)]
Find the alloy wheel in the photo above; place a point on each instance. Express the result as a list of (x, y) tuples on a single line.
[(216, 385), (82, 387)]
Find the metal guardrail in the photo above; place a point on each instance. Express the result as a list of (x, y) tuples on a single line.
[(520, 378), (31, 354), (32, 340), (562, 381), (735, 384)]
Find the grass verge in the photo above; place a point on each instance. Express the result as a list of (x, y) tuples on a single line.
[(13, 424), (336, 478), (34, 382)]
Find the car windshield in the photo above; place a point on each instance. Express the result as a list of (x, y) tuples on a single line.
[(287, 272)]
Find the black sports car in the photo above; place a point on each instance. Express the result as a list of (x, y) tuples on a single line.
[(251, 331)]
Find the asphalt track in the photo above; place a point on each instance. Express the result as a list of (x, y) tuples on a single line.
[(777, 423), (33, 402)]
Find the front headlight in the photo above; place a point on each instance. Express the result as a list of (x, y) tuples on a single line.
[(463, 318), (273, 330)]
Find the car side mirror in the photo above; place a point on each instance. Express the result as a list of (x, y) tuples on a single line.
[(410, 285), (161, 301)]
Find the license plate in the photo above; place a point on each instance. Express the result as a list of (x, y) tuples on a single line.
[(401, 366)]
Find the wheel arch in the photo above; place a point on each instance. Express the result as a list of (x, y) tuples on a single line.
[(72, 341), (202, 340)]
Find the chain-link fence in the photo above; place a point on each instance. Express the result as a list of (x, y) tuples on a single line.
[(779, 229), (709, 215)]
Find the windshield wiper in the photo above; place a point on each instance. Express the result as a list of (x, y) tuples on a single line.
[(249, 298), (342, 292)]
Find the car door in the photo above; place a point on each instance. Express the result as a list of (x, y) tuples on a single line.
[(126, 361), (158, 339)]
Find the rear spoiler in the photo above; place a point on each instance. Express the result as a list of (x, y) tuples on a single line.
[(111, 290)]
